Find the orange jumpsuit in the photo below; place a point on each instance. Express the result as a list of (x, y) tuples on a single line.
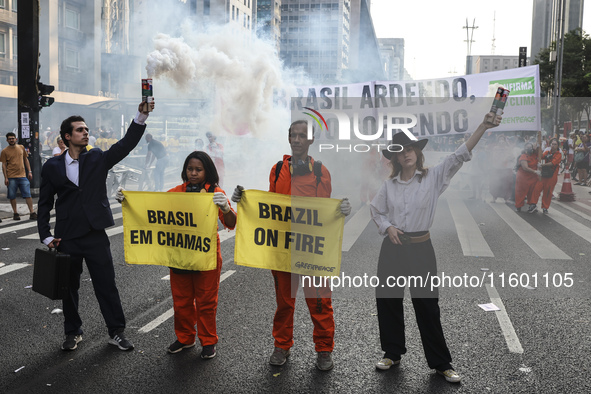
[(546, 185), (195, 296), (318, 299), (525, 182)]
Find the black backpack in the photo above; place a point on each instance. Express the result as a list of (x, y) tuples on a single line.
[(317, 171)]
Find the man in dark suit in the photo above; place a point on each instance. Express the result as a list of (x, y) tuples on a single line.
[(78, 177)]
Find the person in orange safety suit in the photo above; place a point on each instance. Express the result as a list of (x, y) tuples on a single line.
[(551, 160), (527, 178), (300, 175), (195, 293)]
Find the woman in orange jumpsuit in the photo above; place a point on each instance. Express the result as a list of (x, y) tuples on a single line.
[(549, 168), (195, 293), (527, 178)]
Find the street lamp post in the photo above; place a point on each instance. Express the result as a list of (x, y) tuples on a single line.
[(558, 70)]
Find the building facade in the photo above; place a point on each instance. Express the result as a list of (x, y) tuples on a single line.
[(488, 63), (315, 36), (545, 22), (268, 19), (392, 55)]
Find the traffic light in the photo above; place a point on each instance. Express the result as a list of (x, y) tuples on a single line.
[(44, 90)]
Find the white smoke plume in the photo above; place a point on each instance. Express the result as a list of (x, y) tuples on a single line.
[(237, 72)]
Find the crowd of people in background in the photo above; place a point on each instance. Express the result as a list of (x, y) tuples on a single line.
[(519, 169), (103, 138)]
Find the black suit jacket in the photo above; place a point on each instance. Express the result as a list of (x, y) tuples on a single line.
[(81, 208)]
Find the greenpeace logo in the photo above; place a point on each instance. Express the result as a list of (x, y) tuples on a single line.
[(517, 86)]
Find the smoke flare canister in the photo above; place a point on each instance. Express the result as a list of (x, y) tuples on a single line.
[(503, 101), (147, 93), (497, 100)]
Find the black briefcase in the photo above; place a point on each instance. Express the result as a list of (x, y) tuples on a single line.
[(51, 274)]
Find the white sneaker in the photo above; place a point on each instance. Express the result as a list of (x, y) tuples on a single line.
[(450, 375), (385, 364)]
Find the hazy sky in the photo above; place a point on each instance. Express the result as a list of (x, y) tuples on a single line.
[(435, 44)]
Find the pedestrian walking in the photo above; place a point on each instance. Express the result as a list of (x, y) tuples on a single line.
[(156, 150), (17, 175), (216, 151), (526, 178), (548, 175), (582, 159)]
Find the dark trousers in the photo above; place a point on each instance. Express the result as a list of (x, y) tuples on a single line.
[(159, 173), (406, 261), (95, 249)]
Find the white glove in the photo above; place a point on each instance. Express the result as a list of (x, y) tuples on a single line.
[(221, 201), (345, 206), (119, 195), (237, 194), (538, 173)]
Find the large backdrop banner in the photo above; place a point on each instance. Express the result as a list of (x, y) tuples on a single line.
[(426, 108), (302, 235), (175, 230)]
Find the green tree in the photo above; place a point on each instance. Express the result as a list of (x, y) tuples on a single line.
[(576, 75)]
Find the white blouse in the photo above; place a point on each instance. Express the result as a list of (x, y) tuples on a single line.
[(410, 205)]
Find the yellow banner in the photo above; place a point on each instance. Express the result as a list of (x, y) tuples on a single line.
[(303, 235), (171, 229)]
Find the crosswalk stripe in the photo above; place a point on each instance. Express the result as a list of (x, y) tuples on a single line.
[(12, 267), (541, 245), (506, 326), (354, 227), (22, 226), (587, 207), (469, 234), (579, 229), (169, 313), (111, 231), (570, 208), (226, 234)]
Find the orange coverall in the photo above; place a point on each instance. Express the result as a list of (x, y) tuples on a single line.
[(195, 295), (318, 299), (546, 185), (525, 182)]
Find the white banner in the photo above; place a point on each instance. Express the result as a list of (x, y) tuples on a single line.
[(426, 108)]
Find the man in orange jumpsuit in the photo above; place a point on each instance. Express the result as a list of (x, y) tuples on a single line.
[(300, 175), (550, 163), (527, 178)]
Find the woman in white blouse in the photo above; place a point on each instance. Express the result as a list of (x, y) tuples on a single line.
[(60, 148), (403, 210)]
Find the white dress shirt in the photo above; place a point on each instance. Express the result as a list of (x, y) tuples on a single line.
[(72, 169), (410, 205)]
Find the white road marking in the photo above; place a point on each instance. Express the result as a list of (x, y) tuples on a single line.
[(354, 227), (587, 207), (157, 321), (541, 245), (469, 234), (506, 326), (169, 313), (579, 229), (22, 226), (12, 267), (110, 231), (570, 208), (226, 234)]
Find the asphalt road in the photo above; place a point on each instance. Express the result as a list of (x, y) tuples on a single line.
[(538, 343)]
